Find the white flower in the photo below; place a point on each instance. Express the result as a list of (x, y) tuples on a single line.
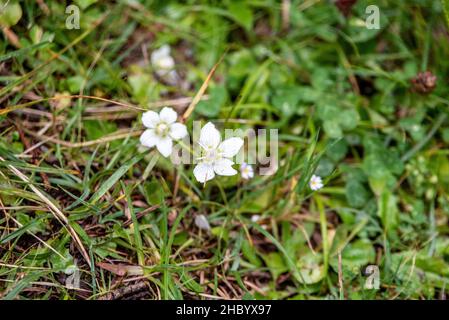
[(202, 223), (216, 156), (162, 130), (255, 218), (161, 59), (315, 183), (164, 64), (247, 171)]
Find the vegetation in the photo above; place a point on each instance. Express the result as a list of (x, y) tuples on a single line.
[(364, 109)]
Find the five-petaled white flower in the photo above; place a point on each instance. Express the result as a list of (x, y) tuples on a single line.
[(164, 64), (315, 183), (162, 130), (215, 156), (246, 171)]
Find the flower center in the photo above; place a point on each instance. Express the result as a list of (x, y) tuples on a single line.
[(162, 129), (211, 155)]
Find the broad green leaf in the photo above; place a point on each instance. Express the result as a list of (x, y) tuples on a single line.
[(356, 194), (286, 99), (311, 267), (388, 210), (241, 13), (96, 129), (10, 13), (275, 264), (217, 98), (354, 257), (84, 4)]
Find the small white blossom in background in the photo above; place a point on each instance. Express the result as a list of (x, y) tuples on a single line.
[(255, 218), (315, 183), (73, 279), (164, 64), (216, 155), (246, 171), (202, 223), (162, 130)]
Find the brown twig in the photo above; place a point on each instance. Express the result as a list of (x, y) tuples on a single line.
[(141, 214), (340, 275), (202, 90), (121, 134), (12, 37), (124, 291)]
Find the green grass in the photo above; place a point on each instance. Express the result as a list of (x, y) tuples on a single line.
[(76, 187)]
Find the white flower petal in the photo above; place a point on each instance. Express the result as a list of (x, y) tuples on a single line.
[(315, 183), (224, 167), (246, 171), (168, 115), (162, 51), (202, 223), (209, 136), (159, 54), (230, 147), (178, 131), (150, 119), (149, 138), (165, 146), (164, 63), (203, 172)]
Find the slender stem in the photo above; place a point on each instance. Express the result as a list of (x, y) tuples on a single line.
[(324, 237), (426, 139)]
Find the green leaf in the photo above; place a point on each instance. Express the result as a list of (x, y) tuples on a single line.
[(25, 282), (249, 252), (286, 99), (241, 14), (336, 119), (357, 29), (332, 128), (325, 167), (445, 4), (348, 118), (217, 98), (154, 193), (356, 194), (143, 87), (354, 256), (311, 267), (275, 264), (36, 34), (388, 210), (60, 263), (10, 13), (112, 180), (32, 225), (84, 4), (337, 151), (24, 51), (75, 83), (96, 129), (190, 283)]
